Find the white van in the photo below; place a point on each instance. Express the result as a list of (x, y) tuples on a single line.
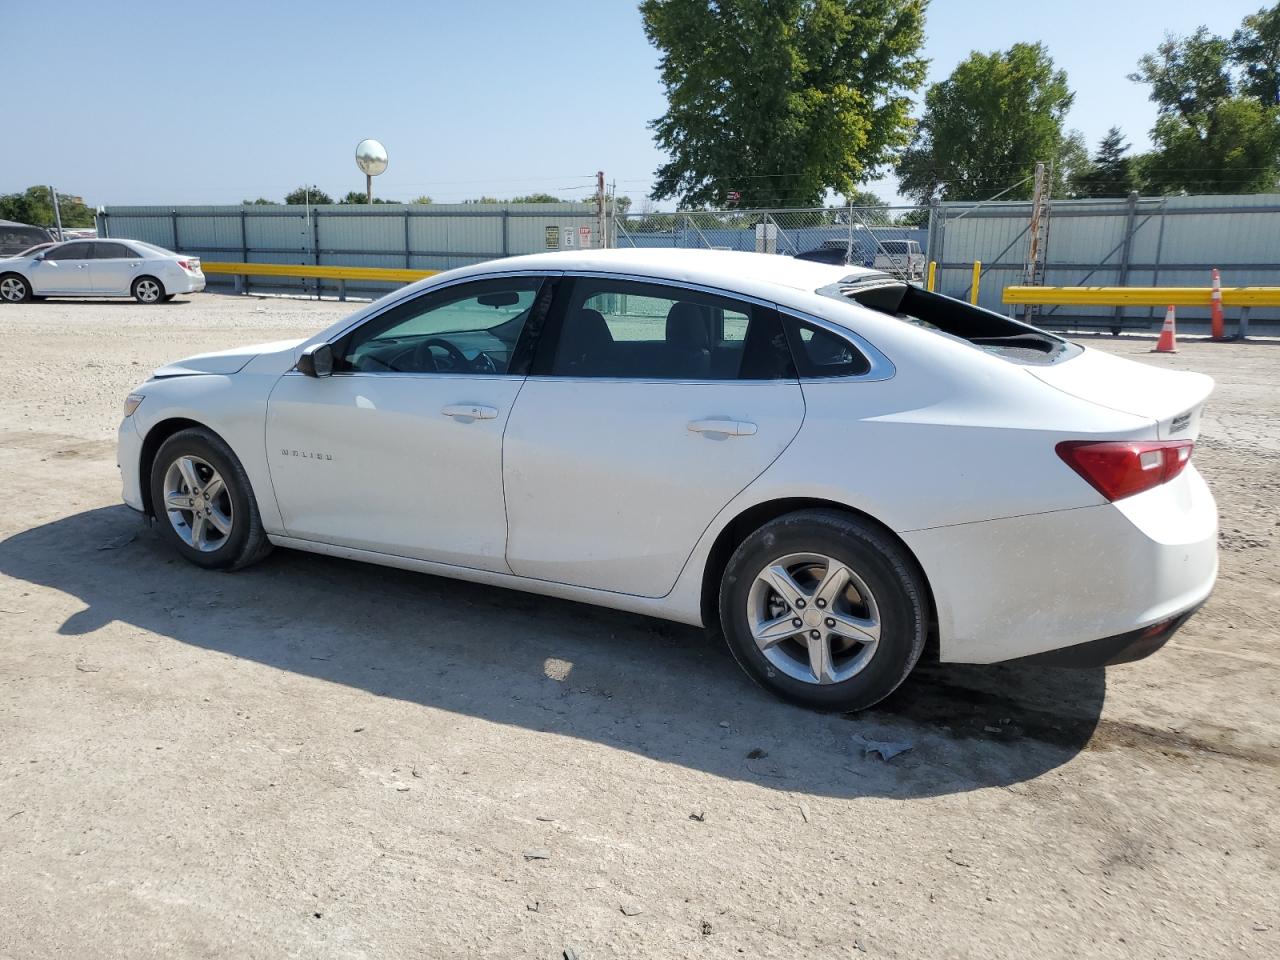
[(900, 257)]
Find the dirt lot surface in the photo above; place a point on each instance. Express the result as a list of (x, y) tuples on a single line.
[(316, 758)]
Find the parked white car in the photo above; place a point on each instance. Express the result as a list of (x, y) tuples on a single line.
[(825, 462), (100, 268), (901, 258)]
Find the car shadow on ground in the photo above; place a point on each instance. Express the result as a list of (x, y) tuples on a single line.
[(659, 690)]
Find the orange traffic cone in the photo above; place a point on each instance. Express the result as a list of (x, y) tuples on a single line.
[(1168, 338)]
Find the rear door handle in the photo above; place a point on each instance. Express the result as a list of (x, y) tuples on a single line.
[(728, 428), (466, 412)]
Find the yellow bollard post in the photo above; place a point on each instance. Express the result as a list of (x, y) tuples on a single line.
[(933, 276), (977, 276)]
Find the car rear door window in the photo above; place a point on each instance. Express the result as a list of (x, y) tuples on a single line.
[(629, 329), (111, 251)]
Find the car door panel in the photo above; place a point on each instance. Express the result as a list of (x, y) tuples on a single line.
[(400, 450), (610, 483), (377, 462), (114, 269), (69, 270)]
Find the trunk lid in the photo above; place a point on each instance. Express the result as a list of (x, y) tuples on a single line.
[(1172, 398)]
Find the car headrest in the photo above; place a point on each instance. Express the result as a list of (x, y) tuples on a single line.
[(687, 327), (585, 334)]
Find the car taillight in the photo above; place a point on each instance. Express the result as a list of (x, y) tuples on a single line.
[(1119, 469), (192, 265)]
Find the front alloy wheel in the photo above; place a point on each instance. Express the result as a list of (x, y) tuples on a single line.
[(204, 503), (14, 289), (198, 504)]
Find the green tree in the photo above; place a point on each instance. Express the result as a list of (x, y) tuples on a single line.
[(260, 202), (359, 197), (305, 194), (1256, 47), (1218, 125), (1110, 173), (35, 206), (987, 125), (536, 198), (422, 200), (781, 100)]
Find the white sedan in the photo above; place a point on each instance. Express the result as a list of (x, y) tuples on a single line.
[(825, 463), (99, 268)]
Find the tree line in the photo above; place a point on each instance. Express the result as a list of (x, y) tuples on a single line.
[(774, 103)]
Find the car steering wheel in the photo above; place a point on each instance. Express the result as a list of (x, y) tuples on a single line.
[(457, 359)]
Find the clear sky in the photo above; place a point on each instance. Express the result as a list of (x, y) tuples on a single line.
[(151, 102)]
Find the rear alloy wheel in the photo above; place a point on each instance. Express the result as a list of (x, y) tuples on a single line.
[(202, 499), (824, 609), (14, 289), (147, 290)]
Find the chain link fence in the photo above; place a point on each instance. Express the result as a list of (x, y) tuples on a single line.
[(892, 239)]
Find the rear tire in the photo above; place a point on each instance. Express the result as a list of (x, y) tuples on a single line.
[(842, 628), (202, 499), (14, 288), (148, 290)]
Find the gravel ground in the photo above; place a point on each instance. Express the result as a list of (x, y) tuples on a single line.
[(316, 758)]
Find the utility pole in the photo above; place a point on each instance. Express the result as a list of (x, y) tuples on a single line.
[(1033, 270), (57, 215), (603, 240)]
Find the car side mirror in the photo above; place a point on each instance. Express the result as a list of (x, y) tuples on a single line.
[(316, 360)]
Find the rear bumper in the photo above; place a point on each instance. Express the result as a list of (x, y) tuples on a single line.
[(1109, 651), (186, 284), (1015, 588)]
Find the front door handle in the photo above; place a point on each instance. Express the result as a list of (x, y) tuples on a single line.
[(727, 428), (466, 412)]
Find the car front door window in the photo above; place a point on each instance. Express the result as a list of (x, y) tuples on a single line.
[(470, 329)]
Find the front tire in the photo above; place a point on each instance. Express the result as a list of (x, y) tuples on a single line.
[(148, 290), (824, 609), (201, 496), (14, 288)]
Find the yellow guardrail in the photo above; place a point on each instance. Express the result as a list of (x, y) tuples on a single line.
[(322, 272), (1142, 296)]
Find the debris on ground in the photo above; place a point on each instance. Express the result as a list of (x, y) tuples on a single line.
[(700, 816), (537, 853), (631, 910), (115, 543), (886, 749)]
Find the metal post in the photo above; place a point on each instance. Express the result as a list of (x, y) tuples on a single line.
[(342, 291), (506, 232), (1132, 201), (601, 239), (977, 278), (173, 219), (933, 275), (315, 248), (244, 239), (1242, 332), (408, 255), (368, 188), (57, 214), (1155, 271)]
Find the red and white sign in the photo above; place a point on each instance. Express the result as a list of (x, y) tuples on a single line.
[(584, 236)]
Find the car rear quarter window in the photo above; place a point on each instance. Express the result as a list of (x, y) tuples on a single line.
[(823, 353)]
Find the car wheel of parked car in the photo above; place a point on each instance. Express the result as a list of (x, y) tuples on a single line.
[(202, 498), (14, 289), (147, 290), (824, 609)]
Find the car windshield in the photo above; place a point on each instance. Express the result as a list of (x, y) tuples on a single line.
[(988, 331)]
